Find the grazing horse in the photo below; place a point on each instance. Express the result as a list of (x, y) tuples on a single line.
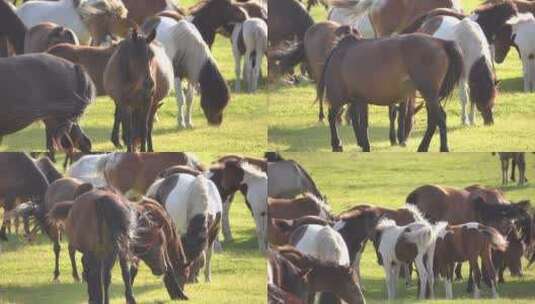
[(60, 93), (249, 39), (12, 29), (93, 58), (138, 77), (43, 36), (517, 159), (467, 242), (84, 17), (21, 180), (478, 78), (435, 79), (255, 188), (192, 60), (101, 225), (287, 178), (209, 15), (194, 204), (332, 279)]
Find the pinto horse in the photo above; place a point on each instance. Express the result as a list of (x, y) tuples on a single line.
[(12, 29), (60, 93), (138, 76), (435, 79), (44, 35), (85, 220)]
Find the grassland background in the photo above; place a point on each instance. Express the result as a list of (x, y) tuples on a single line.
[(385, 179), (238, 273), (243, 129), (293, 117)]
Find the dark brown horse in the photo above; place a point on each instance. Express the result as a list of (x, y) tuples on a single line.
[(41, 37), (100, 224), (21, 180), (435, 79), (210, 15), (12, 30), (60, 93), (138, 77)]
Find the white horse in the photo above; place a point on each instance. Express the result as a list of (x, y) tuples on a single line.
[(249, 39), (90, 169), (419, 233), (478, 78), (72, 14), (523, 33), (187, 198), (192, 60), (345, 17)]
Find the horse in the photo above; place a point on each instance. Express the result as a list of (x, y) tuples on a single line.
[(255, 183), (259, 162), (43, 36), (60, 93), (287, 178), (344, 17), (249, 39), (308, 204), (138, 77), (21, 180), (93, 58), (414, 242), (478, 78), (337, 281), (280, 230), (517, 159), (12, 29), (286, 276), (89, 169), (434, 79), (194, 204), (140, 10), (82, 16), (192, 60), (210, 15), (467, 242), (85, 220), (133, 173)]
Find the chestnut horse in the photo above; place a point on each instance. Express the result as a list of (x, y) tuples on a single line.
[(139, 10), (12, 29), (435, 79), (308, 204), (138, 76), (60, 93), (41, 37)]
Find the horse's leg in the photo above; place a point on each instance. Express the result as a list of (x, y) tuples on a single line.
[(388, 278), (476, 274), (430, 272), (448, 280), (336, 142), (355, 122), (247, 66), (180, 103), (189, 104), (256, 70), (363, 121), (402, 122), (422, 274), (395, 275), (392, 117), (227, 233), (127, 280), (463, 97), (86, 265), (431, 127), (57, 249), (116, 125), (72, 256), (9, 204), (208, 264), (126, 113), (152, 114), (237, 62)]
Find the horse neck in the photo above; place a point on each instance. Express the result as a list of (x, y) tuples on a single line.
[(206, 26)]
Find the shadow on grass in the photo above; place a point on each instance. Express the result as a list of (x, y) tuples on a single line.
[(511, 85)]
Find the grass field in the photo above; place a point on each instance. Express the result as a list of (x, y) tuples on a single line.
[(237, 133), (293, 117), (238, 273), (385, 179)]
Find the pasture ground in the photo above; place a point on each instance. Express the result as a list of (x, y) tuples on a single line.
[(243, 129), (293, 117), (385, 179), (238, 273)]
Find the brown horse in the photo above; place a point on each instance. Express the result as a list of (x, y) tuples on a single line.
[(468, 242), (12, 29), (138, 76), (20, 180), (404, 72), (283, 274), (100, 224), (517, 159), (139, 10), (133, 173), (93, 58), (41, 37), (280, 230), (60, 93), (308, 204)]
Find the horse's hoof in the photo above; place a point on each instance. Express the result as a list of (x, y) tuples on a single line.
[(76, 279), (338, 149)]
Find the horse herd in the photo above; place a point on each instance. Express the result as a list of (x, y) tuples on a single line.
[(163, 209), (62, 54), (411, 46), (315, 255)]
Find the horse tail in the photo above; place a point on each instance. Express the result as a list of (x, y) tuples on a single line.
[(320, 85), (115, 224), (86, 91), (496, 240), (58, 214), (214, 228), (455, 68), (482, 86), (314, 188), (215, 94), (195, 240)]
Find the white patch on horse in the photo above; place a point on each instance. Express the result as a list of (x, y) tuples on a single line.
[(471, 225), (339, 225)]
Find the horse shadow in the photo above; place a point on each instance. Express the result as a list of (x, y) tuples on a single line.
[(511, 85)]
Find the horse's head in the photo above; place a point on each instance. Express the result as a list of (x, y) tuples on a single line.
[(513, 255), (151, 242), (503, 42)]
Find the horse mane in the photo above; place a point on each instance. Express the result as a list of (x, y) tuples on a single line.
[(89, 9), (416, 213), (252, 170)]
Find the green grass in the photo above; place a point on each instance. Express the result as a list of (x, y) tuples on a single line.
[(243, 129), (293, 117), (238, 273), (385, 179)]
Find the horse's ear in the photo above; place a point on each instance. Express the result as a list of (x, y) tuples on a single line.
[(151, 36), (83, 188)]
